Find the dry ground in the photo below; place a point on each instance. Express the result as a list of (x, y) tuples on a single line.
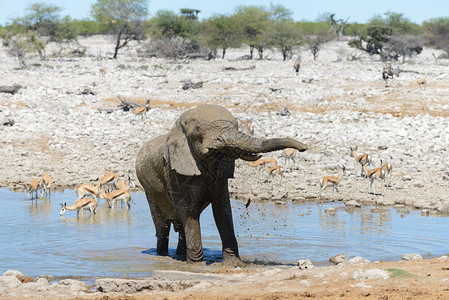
[(426, 279)]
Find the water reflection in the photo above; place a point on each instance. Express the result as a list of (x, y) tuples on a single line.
[(40, 206), (104, 215), (116, 242)]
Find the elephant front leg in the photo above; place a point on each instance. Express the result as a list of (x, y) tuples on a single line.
[(221, 208), (186, 193), (193, 240)]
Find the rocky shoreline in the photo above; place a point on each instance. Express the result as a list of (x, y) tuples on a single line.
[(171, 284)]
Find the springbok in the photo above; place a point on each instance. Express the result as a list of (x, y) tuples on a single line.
[(262, 162), (79, 205), (359, 159), (332, 181), (297, 65), (87, 190), (109, 180), (388, 170), (257, 163), (272, 171), (373, 174), (33, 187), (142, 110), (46, 184), (130, 181), (289, 154), (102, 72), (246, 127), (119, 195), (123, 185), (387, 72), (422, 82)]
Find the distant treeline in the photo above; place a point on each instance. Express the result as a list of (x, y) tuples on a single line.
[(391, 35)]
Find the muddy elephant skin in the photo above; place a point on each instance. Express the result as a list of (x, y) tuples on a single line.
[(187, 169)]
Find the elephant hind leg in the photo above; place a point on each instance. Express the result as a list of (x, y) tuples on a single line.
[(182, 247), (162, 225), (162, 234)]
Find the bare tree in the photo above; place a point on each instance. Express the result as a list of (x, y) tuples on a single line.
[(315, 42), (338, 26), (124, 17), (21, 44), (402, 46)]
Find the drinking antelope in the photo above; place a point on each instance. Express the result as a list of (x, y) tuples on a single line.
[(373, 174), (359, 159), (388, 170), (332, 181), (119, 195), (46, 184), (87, 190), (142, 111), (33, 187), (289, 154), (80, 204), (109, 180)]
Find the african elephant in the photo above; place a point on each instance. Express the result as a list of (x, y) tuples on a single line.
[(184, 171)]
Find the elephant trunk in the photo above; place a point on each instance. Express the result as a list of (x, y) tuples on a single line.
[(245, 144)]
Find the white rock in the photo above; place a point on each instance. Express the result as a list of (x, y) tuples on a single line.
[(9, 281), (358, 260), (304, 264), (73, 285), (407, 178), (338, 259), (411, 257), (203, 285), (13, 273), (305, 283), (370, 274)]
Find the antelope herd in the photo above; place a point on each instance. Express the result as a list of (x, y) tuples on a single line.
[(381, 174), (108, 188), (111, 189)]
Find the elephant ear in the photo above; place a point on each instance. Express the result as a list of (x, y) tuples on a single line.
[(178, 154)]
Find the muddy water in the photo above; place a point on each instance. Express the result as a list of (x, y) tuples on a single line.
[(36, 240)]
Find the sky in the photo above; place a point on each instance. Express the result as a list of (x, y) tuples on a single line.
[(353, 10)]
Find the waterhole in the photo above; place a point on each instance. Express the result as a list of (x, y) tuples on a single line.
[(35, 240)]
